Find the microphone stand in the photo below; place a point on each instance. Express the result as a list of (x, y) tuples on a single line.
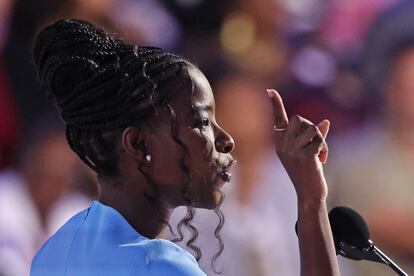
[(371, 253), (387, 260)]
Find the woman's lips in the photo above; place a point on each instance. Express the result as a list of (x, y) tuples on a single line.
[(225, 173), (226, 176)]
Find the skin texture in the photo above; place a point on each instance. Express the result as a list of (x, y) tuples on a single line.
[(206, 143), (302, 150)]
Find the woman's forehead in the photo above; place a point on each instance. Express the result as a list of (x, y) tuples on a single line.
[(202, 97)]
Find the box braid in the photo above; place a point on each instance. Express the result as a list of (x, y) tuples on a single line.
[(101, 85)]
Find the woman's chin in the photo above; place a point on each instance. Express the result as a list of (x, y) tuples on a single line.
[(210, 203)]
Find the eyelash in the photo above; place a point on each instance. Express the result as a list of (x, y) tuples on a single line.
[(203, 123)]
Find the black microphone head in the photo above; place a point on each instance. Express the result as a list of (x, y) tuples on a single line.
[(348, 226)]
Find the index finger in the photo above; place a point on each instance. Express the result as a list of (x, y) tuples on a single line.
[(279, 111)]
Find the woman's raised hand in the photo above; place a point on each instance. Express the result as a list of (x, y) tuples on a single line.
[(302, 150)]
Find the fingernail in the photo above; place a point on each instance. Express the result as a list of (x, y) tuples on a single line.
[(324, 122), (270, 93)]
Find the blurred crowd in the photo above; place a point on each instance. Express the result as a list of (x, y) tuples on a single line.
[(349, 61)]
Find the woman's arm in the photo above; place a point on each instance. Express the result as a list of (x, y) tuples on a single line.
[(302, 150)]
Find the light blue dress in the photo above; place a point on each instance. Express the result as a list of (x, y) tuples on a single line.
[(99, 241)]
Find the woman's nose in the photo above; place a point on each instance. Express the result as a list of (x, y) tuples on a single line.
[(224, 142)]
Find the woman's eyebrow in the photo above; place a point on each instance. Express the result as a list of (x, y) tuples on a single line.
[(203, 107)]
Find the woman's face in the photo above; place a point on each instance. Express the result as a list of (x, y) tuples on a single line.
[(193, 164)]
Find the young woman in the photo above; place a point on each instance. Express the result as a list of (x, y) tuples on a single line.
[(143, 120)]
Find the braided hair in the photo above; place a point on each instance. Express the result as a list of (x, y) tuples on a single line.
[(101, 85)]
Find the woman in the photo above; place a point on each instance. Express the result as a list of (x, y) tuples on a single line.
[(143, 120)]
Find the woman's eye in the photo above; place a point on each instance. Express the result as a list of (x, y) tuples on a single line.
[(201, 122), (205, 122)]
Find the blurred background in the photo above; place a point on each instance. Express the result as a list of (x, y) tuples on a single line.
[(349, 61)]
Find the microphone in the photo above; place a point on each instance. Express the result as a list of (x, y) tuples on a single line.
[(352, 239)]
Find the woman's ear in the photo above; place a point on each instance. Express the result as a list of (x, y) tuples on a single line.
[(133, 142)]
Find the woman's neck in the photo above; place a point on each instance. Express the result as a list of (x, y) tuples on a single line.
[(147, 216)]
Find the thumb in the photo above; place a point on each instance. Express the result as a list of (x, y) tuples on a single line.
[(324, 129)]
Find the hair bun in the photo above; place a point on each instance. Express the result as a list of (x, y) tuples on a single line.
[(69, 52)]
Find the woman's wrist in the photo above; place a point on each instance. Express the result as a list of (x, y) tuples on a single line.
[(309, 206)]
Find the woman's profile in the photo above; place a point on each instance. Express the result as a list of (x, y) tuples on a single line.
[(144, 120)]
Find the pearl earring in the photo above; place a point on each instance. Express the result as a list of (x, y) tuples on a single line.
[(148, 157)]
